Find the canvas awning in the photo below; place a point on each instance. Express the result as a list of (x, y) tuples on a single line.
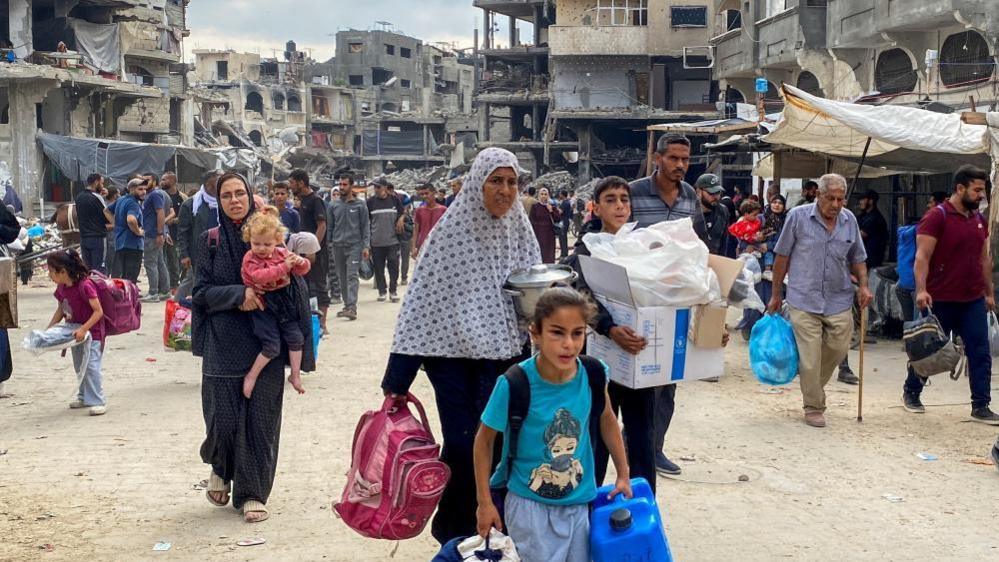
[(902, 138), (713, 127)]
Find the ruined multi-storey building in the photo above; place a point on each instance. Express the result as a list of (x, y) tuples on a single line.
[(595, 74), (87, 68), (883, 51), (411, 98)]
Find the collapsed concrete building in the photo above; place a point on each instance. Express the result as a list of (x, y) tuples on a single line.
[(413, 100), (87, 69), (595, 73)]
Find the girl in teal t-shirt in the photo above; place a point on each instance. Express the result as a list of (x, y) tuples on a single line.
[(551, 480)]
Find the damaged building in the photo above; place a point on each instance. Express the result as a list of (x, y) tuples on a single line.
[(87, 69), (413, 101), (594, 74)]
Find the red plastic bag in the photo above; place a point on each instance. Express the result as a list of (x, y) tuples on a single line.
[(745, 230), (177, 327)]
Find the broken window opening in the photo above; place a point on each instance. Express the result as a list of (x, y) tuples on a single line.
[(622, 12), (294, 103), (321, 106), (688, 16), (733, 20), (810, 83), (380, 76), (278, 100), (964, 59), (356, 80), (355, 47), (894, 72), (405, 53), (141, 76), (222, 70), (389, 49), (254, 102), (257, 137), (406, 84)]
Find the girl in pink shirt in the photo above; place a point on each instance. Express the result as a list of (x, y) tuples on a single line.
[(268, 268), (78, 304)]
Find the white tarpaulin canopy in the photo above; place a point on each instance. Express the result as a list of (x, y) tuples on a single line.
[(901, 137)]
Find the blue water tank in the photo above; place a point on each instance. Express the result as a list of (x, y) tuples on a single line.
[(628, 530)]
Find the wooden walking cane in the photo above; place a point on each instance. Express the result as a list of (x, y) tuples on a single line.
[(863, 336)]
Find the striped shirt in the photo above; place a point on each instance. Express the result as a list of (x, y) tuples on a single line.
[(648, 207)]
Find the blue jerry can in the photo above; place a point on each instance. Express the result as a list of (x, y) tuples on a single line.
[(623, 530)]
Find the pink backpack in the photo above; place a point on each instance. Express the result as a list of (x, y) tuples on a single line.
[(396, 477), (120, 301)]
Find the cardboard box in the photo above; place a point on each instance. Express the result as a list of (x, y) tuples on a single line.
[(707, 329), (727, 270), (670, 356)]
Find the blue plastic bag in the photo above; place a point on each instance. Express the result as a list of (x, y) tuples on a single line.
[(773, 353)]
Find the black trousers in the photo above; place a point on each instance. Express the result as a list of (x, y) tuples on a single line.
[(665, 404), (127, 264), (92, 252), (563, 240), (404, 256), (172, 257), (242, 436), (317, 278), (461, 389), (634, 408), (387, 255)]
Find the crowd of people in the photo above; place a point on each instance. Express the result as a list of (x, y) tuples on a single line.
[(257, 268)]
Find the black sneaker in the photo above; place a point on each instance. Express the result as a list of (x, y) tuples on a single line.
[(846, 376), (404, 281), (394, 297), (912, 404), (381, 297), (666, 466), (984, 415)]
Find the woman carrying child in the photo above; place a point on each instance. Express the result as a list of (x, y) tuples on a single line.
[(78, 304), (550, 481), (267, 269)]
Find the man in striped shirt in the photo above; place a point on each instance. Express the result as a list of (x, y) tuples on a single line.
[(664, 196)]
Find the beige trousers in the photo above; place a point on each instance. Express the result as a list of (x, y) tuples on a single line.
[(823, 342)]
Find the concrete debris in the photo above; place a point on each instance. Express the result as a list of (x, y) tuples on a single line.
[(409, 180), (554, 181)]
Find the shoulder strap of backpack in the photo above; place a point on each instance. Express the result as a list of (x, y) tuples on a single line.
[(213, 241), (596, 377), (517, 408)]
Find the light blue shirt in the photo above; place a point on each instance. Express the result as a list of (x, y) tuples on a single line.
[(818, 274), (554, 459)]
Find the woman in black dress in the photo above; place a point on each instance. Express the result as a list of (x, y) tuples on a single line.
[(242, 435)]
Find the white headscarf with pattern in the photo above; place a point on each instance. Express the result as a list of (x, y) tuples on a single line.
[(455, 305)]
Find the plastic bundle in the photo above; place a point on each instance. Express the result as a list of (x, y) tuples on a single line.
[(773, 352), (58, 338), (667, 263)]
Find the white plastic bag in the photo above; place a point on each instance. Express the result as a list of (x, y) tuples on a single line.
[(58, 338), (993, 334), (743, 293), (667, 263), (497, 542), (752, 263)]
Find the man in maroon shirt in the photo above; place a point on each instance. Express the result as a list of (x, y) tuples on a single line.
[(954, 277)]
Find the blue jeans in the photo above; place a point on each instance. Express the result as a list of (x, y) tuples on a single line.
[(91, 391), (92, 252), (968, 320)]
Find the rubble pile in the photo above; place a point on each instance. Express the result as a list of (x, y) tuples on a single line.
[(555, 182), (409, 180)]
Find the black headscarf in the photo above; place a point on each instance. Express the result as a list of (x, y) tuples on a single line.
[(773, 223), (231, 232)]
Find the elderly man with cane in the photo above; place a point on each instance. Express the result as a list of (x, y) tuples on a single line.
[(818, 250)]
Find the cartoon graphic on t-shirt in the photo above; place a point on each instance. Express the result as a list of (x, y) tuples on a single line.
[(556, 479)]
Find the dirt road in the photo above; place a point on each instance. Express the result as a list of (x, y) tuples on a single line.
[(74, 487)]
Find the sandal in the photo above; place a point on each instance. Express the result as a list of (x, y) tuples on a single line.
[(216, 485), (257, 508)]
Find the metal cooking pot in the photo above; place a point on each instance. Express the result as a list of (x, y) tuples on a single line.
[(526, 287)]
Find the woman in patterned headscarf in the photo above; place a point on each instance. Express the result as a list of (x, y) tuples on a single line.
[(457, 323)]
